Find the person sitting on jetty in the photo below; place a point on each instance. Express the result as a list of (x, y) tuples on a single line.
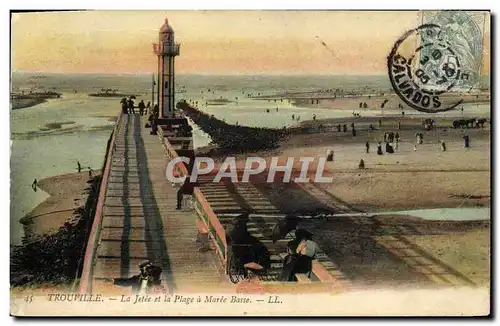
[(361, 164), (146, 282), (301, 253), (245, 247), (187, 188)]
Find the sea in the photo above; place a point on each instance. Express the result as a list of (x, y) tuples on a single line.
[(50, 138)]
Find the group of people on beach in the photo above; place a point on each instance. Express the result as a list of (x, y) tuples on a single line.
[(128, 106), (343, 128)]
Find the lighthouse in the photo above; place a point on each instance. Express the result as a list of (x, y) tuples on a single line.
[(166, 49)]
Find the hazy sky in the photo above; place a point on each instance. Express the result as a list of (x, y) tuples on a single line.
[(212, 42)]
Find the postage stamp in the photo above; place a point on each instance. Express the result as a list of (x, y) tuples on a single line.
[(443, 55), (465, 32), (319, 163)]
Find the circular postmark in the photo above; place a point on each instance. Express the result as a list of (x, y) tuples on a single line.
[(422, 67)]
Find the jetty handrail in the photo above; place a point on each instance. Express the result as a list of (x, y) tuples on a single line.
[(203, 210), (180, 168), (85, 285), (216, 231)]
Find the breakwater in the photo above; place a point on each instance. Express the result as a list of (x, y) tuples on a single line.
[(234, 138)]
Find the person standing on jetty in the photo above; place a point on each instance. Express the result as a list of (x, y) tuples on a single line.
[(397, 139), (124, 105), (34, 185), (443, 146), (90, 172), (142, 106), (367, 145), (131, 107), (79, 166)]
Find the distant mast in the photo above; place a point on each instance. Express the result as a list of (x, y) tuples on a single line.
[(166, 50)]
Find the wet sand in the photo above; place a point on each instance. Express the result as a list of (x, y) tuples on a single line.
[(67, 192), (375, 102)]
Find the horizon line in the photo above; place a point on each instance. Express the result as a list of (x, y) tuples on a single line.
[(192, 74)]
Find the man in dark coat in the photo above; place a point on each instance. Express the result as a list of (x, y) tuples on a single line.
[(131, 106), (142, 106), (149, 273)]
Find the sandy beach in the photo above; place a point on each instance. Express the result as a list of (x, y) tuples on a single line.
[(67, 192), (404, 180)]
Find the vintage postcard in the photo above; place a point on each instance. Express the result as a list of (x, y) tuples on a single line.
[(250, 163)]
